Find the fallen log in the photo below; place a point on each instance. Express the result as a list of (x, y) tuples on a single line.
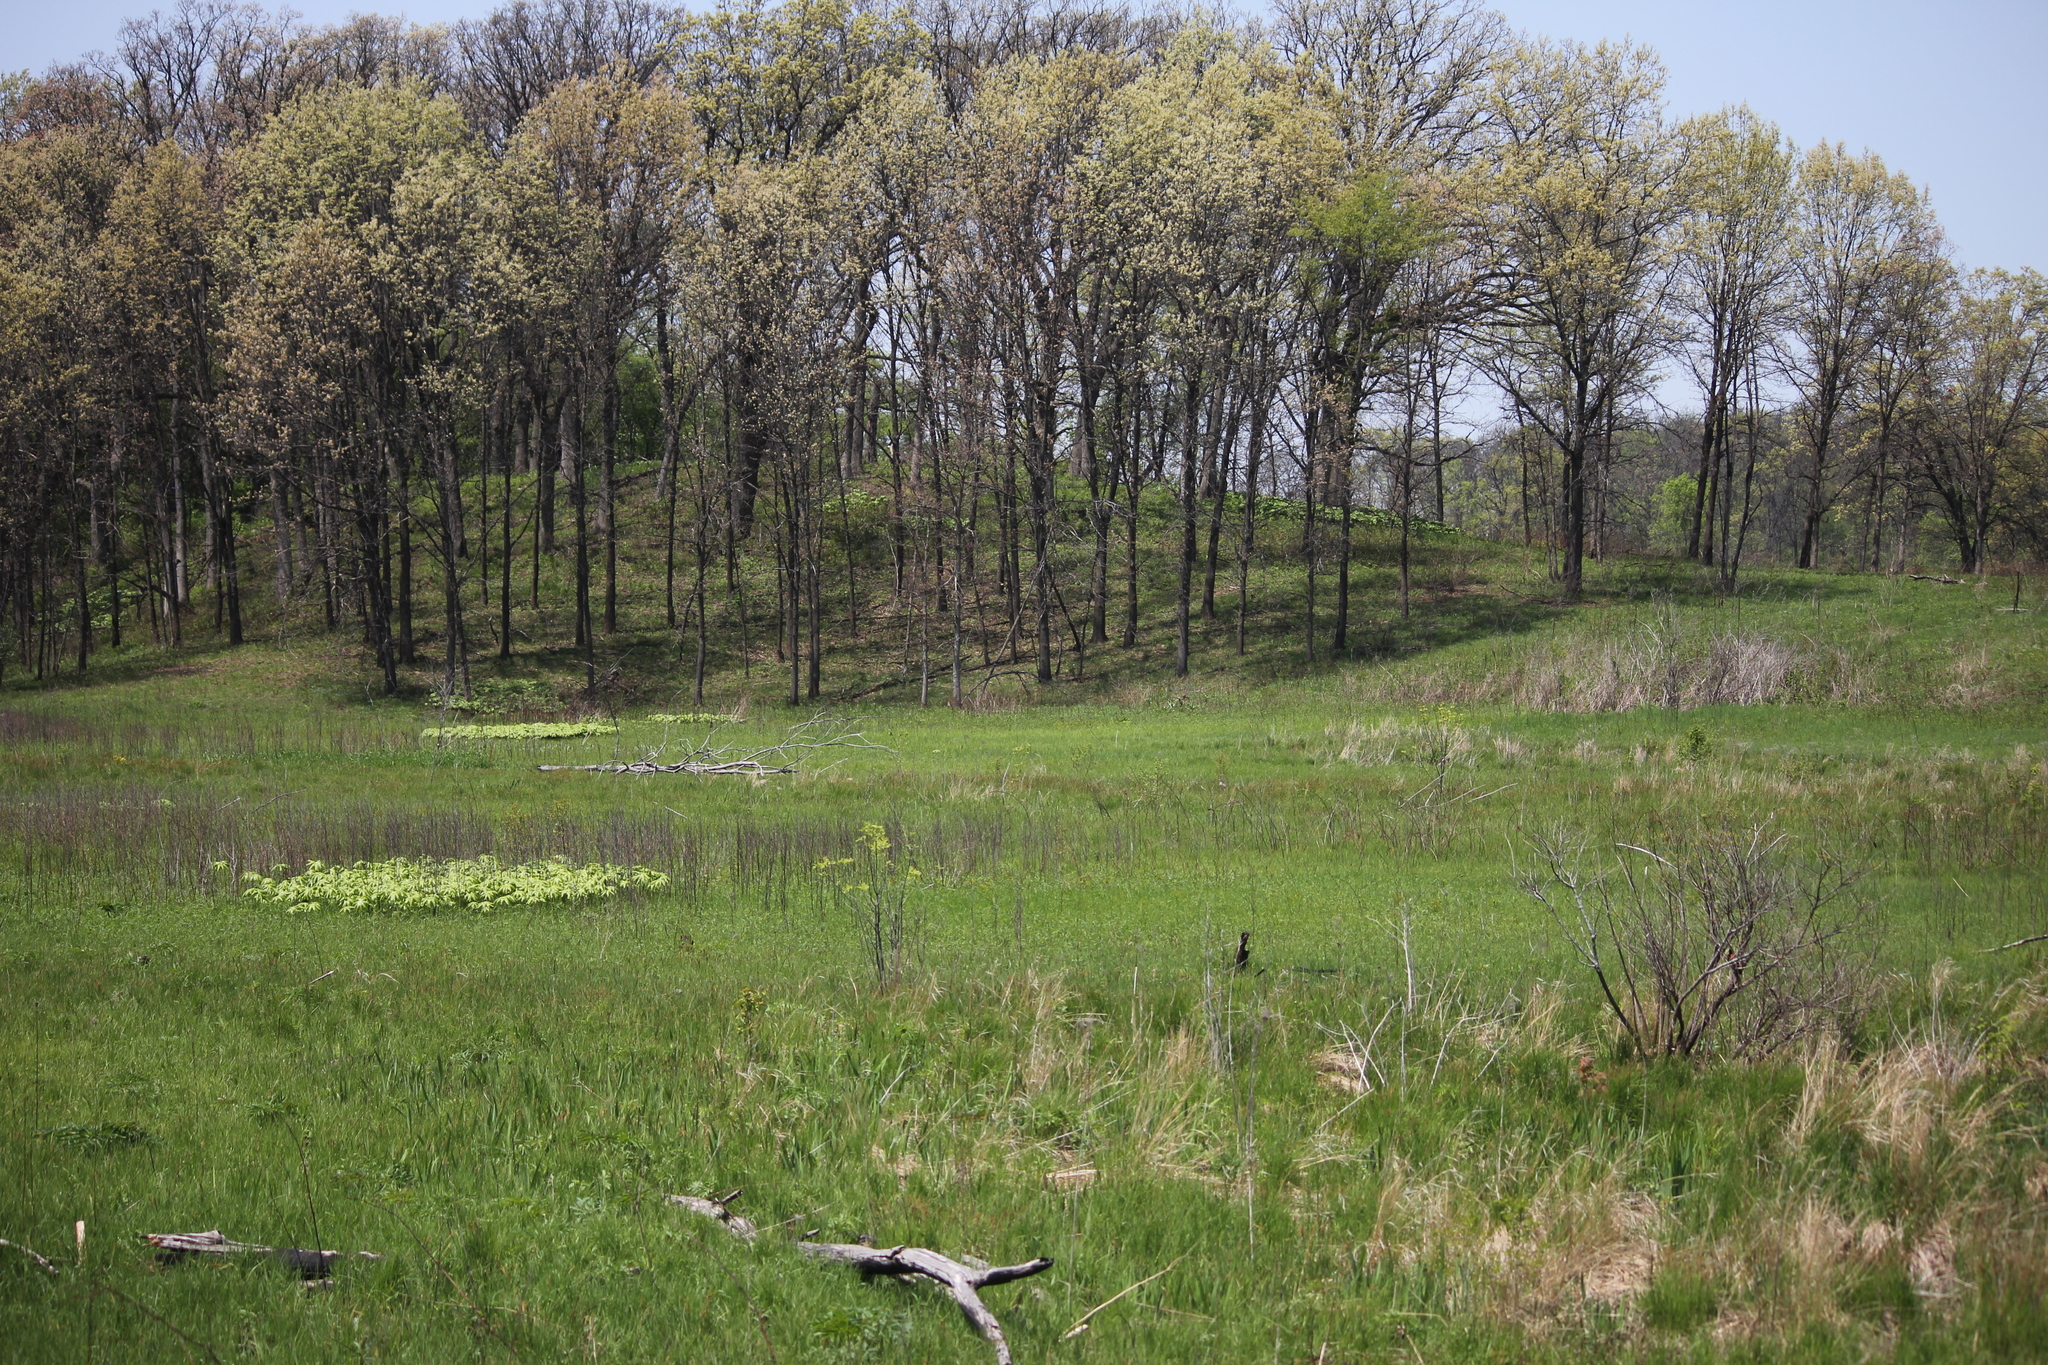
[(1933, 578), (310, 1265), (963, 1282), (737, 1224)]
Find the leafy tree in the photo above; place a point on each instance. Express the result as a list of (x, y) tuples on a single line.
[(1990, 383), (1581, 209)]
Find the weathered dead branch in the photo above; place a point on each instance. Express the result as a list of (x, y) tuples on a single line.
[(2018, 943), (964, 1282), (804, 741), (29, 1252), (737, 1224), (312, 1265)]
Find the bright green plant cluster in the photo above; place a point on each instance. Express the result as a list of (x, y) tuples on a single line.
[(1696, 745), (553, 729), (892, 930), (425, 886), (694, 718)]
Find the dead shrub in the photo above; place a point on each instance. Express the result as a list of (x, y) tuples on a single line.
[(1729, 944)]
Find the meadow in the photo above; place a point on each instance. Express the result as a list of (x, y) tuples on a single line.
[(972, 986)]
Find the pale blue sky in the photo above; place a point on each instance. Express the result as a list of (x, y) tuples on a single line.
[(1953, 94)]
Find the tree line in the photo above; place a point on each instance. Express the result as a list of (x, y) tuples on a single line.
[(994, 275)]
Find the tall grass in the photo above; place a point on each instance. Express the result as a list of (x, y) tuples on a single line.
[(1403, 1130), (501, 1120)]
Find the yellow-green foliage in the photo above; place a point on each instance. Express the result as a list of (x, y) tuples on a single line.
[(564, 729), (425, 886), (694, 718)]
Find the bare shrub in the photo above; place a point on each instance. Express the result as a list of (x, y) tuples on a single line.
[(1435, 739), (1661, 663), (1730, 944), (1661, 667)]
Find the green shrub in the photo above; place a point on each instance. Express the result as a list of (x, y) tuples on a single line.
[(1679, 1301), (425, 886), (694, 718), (1696, 745), (1672, 509)]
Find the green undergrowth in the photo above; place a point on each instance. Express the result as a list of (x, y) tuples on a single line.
[(1319, 1157), (1405, 1129)]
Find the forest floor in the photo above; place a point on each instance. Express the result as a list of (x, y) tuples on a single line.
[(1408, 1129)]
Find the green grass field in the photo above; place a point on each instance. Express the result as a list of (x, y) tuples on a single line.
[(1049, 1053)]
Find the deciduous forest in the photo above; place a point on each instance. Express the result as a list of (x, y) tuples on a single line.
[(1017, 680), (917, 311)]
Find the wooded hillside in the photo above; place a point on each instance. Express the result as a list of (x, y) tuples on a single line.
[(384, 310)]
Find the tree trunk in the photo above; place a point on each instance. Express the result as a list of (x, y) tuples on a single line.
[(1190, 464), (608, 523)]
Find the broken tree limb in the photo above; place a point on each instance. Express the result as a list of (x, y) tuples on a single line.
[(963, 1282), (2018, 943), (30, 1252), (311, 1265), (1932, 578), (737, 1224)]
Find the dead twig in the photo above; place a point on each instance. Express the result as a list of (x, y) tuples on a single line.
[(311, 1265), (2018, 943), (1082, 1325), (33, 1255)]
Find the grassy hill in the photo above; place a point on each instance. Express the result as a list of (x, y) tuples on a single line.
[(974, 988)]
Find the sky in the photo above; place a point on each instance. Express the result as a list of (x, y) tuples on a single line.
[(1952, 94), (1955, 94)]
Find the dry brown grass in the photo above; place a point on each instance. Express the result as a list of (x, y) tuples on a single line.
[(1658, 664), (1933, 1113)]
